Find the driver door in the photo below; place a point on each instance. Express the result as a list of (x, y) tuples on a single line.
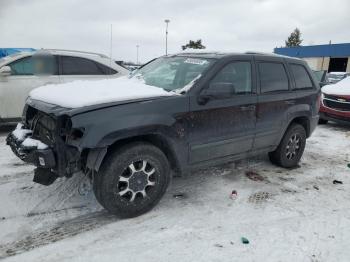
[(224, 127)]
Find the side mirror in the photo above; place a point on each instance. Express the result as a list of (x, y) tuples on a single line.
[(219, 90), (5, 71)]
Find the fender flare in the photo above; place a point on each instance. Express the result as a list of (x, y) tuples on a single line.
[(95, 158)]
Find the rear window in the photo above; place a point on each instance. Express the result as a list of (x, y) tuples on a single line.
[(302, 78), (273, 77)]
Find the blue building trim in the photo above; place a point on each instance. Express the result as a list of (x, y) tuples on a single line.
[(10, 51), (330, 50)]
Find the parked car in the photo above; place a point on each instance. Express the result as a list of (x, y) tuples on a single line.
[(335, 105), (335, 77), (22, 72), (322, 77), (180, 113)]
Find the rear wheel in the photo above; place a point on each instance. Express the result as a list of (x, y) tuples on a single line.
[(291, 148), (132, 180), (322, 121)]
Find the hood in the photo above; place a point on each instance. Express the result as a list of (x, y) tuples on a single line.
[(80, 93), (340, 88)]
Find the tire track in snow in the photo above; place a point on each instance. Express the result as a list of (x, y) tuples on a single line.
[(60, 231)]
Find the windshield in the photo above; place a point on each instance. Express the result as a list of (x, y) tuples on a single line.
[(9, 57), (171, 73)]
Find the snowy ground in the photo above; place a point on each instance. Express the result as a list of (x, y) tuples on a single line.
[(292, 215)]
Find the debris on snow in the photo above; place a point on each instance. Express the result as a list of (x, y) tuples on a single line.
[(234, 195), (259, 197), (337, 182), (254, 176), (316, 187), (179, 195), (244, 240)]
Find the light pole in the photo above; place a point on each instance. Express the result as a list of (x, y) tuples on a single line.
[(166, 36), (137, 54)]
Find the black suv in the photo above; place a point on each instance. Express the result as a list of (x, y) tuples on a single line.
[(221, 107)]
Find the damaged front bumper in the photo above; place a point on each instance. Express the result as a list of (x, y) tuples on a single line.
[(34, 152)]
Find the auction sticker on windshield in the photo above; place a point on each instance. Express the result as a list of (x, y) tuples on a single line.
[(195, 61)]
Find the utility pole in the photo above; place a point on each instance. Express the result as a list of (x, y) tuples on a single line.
[(137, 54), (166, 36)]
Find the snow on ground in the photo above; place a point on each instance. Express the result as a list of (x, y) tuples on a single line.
[(292, 215)]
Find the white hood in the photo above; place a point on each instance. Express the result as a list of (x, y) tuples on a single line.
[(86, 93), (340, 88)]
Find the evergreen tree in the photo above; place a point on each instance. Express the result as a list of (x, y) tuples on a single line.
[(294, 38), (194, 45)]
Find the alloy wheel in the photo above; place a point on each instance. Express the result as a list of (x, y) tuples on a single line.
[(293, 146), (137, 181)]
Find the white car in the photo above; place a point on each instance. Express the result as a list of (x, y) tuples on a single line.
[(334, 77), (22, 72)]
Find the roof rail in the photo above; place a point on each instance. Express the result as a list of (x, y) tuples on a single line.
[(258, 53), (74, 51), (267, 54)]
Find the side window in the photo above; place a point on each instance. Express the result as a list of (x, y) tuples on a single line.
[(237, 73), (23, 66), (79, 66), (106, 70), (45, 65), (302, 78), (273, 77)]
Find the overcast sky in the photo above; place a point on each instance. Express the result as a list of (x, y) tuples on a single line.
[(228, 25)]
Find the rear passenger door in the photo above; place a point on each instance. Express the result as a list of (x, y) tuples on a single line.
[(275, 100), (79, 68)]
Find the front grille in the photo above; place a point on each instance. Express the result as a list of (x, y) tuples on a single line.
[(43, 127), (333, 97), (337, 103)]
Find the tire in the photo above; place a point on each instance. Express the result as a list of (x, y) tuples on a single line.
[(294, 138), (322, 121), (132, 180)]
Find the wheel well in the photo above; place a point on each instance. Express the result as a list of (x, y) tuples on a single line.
[(304, 121), (156, 140)]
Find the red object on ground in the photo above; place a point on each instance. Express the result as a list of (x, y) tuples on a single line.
[(234, 194)]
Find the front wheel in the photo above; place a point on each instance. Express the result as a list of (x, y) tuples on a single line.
[(132, 179), (291, 148)]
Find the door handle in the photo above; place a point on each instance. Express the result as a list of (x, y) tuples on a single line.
[(290, 102), (247, 108)]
